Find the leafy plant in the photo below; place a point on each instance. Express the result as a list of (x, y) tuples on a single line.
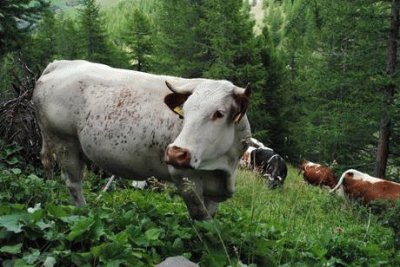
[(296, 225), (9, 156)]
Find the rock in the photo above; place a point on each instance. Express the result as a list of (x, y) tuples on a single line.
[(177, 261)]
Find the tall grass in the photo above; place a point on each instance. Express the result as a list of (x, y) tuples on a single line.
[(308, 217)]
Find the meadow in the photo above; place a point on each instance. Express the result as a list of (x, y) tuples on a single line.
[(297, 225)]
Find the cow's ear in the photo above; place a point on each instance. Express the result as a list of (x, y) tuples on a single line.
[(242, 99), (175, 100)]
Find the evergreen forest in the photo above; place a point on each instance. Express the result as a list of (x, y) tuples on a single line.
[(324, 73)]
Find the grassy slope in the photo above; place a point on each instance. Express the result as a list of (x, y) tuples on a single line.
[(309, 216), (296, 225)]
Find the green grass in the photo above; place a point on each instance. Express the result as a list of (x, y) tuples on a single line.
[(308, 216), (298, 225)]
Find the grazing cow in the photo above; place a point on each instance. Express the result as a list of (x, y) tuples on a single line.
[(271, 165), (317, 174), (191, 132), (358, 185)]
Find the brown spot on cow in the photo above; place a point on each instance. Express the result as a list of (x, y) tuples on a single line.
[(317, 174)]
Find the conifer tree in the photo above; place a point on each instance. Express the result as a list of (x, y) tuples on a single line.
[(68, 39), (138, 38), (44, 46), (93, 33), (335, 66), (177, 49), (16, 20)]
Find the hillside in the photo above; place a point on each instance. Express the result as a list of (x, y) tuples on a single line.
[(69, 5)]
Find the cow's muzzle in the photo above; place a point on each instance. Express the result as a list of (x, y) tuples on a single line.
[(178, 157)]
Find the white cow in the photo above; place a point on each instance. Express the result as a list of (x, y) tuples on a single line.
[(129, 123)]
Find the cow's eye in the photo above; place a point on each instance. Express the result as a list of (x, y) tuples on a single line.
[(217, 115)]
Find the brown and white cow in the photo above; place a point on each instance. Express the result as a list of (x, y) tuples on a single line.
[(191, 132), (317, 174), (359, 185)]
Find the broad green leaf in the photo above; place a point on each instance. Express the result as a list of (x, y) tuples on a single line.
[(12, 161), (21, 263), (56, 211), (115, 263), (153, 234), (97, 251), (34, 177), (16, 170), (71, 219), (49, 262), (98, 228), (42, 225), (80, 227), (32, 257), (13, 249), (177, 243), (12, 222)]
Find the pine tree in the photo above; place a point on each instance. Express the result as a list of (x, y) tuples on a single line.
[(68, 39), (231, 51), (93, 33), (44, 47), (177, 46), (139, 41), (17, 17)]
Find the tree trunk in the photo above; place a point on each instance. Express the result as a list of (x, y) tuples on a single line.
[(388, 94)]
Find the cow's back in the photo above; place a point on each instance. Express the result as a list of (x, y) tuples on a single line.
[(117, 117)]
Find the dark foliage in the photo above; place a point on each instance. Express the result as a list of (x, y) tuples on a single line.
[(18, 124), (17, 17)]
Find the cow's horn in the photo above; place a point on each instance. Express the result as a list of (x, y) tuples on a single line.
[(182, 89)]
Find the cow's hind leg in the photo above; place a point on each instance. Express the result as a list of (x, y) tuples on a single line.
[(70, 158), (46, 157)]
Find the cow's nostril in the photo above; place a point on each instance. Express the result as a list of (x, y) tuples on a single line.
[(182, 155), (178, 157)]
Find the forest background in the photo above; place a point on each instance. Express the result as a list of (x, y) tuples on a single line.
[(324, 73)]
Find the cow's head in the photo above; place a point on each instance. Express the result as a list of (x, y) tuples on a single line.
[(210, 110)]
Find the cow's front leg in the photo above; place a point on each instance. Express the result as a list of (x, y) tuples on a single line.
[(211, 206), (192, 193)]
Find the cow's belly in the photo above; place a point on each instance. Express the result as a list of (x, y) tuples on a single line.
[(127, 144), (129, 166)]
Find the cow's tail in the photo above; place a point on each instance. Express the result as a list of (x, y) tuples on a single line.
[(340, 182)]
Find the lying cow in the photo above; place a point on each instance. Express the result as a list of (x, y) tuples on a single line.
[(358, 185), (255, 143), (246, 157), (271, 165), (130, 124), (317, 174)]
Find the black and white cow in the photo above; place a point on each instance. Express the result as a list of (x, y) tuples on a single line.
[(271, 165)]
